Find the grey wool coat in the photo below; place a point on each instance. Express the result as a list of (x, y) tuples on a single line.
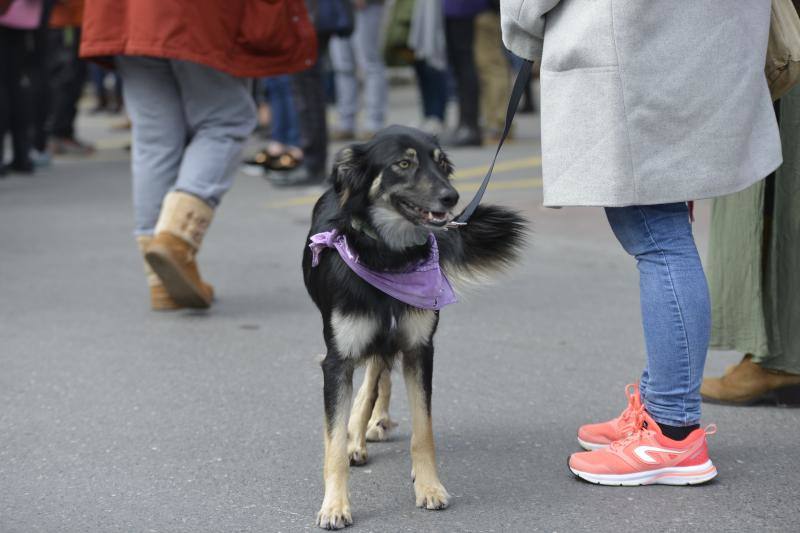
[(648, 101)]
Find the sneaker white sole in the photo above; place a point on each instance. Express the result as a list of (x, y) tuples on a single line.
[(675, 475), (590, 446)]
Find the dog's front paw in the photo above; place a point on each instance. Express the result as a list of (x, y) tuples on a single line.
[(357, 454), (431, 495), (334, 516), (378, 429)]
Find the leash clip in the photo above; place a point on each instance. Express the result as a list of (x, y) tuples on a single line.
[(454, 224)]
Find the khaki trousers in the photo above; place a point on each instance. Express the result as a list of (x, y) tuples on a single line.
[(493, 71)]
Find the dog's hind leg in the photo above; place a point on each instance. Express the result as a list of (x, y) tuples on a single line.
[(418, 374), (338, 391), (362, 407), (379, 423)]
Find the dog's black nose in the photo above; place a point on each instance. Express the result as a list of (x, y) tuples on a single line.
[(449, 198)]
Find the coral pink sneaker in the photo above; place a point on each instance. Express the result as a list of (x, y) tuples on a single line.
[(594, 436), (647, 457)]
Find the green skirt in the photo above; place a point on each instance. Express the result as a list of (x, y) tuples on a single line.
[(754, 260)]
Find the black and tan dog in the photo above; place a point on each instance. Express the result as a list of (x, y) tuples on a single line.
[(388, 196)]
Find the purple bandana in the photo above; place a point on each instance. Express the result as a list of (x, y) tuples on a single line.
[(423, 285)]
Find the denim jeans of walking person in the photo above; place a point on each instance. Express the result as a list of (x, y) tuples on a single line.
[(676, 312), (189, 125), (362, 50)]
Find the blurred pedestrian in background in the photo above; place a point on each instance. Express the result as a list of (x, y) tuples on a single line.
[(66, 74), (107, 100), (282, 152), (493, 71), (183, 67), (330, 17), (413, 35), (754, 277), (426, 41), (460, 33), (41, 93), (18, 19), (644, 107), (349, 55)]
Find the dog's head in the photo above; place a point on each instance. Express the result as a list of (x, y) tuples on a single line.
[(400, 182)]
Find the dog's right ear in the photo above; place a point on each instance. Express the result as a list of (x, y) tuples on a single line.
[(348, 172)]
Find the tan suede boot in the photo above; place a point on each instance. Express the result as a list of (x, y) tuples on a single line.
[(181, 226), (160, 300), (748, 383)]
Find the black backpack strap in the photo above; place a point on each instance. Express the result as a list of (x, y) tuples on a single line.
[(523, 76)]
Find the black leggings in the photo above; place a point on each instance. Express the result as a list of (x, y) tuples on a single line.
[(308, 94), (460, 36), (15, 98), (66, 74)]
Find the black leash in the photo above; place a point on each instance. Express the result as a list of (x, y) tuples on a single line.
[(523, 76)]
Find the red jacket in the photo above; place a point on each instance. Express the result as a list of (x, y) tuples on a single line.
[(246, 38), (66, 13)]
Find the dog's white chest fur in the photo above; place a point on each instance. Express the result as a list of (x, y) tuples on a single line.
[(354, 333)]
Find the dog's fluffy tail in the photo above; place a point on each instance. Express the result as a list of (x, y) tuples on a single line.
[(490, 242)]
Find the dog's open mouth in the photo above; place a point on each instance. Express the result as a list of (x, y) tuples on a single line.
[(420, 215)]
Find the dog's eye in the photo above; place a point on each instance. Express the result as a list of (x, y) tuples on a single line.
[(404, 164)]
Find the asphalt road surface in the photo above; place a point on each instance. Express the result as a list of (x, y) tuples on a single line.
[(116, 418)]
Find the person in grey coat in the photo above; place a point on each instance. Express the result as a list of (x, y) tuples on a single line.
[(644, 107)]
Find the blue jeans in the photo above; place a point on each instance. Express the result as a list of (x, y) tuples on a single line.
[(361, 49), (433, 90), (285, 129), (676, 312)]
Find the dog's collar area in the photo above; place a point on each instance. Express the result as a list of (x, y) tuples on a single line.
[(364, 227), (421, 285)]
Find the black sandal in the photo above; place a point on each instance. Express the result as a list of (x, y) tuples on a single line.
[(262, 159), (283, 162)]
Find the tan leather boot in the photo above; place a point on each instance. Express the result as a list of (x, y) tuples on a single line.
[(160, 300), (748, 383), (181, 226)]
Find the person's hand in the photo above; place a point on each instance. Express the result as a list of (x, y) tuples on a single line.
[(359, 4)]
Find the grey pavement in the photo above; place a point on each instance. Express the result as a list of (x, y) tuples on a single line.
[(115, 418)]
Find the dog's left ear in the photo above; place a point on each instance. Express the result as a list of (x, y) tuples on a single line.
[(349, 174), (445, 163)]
